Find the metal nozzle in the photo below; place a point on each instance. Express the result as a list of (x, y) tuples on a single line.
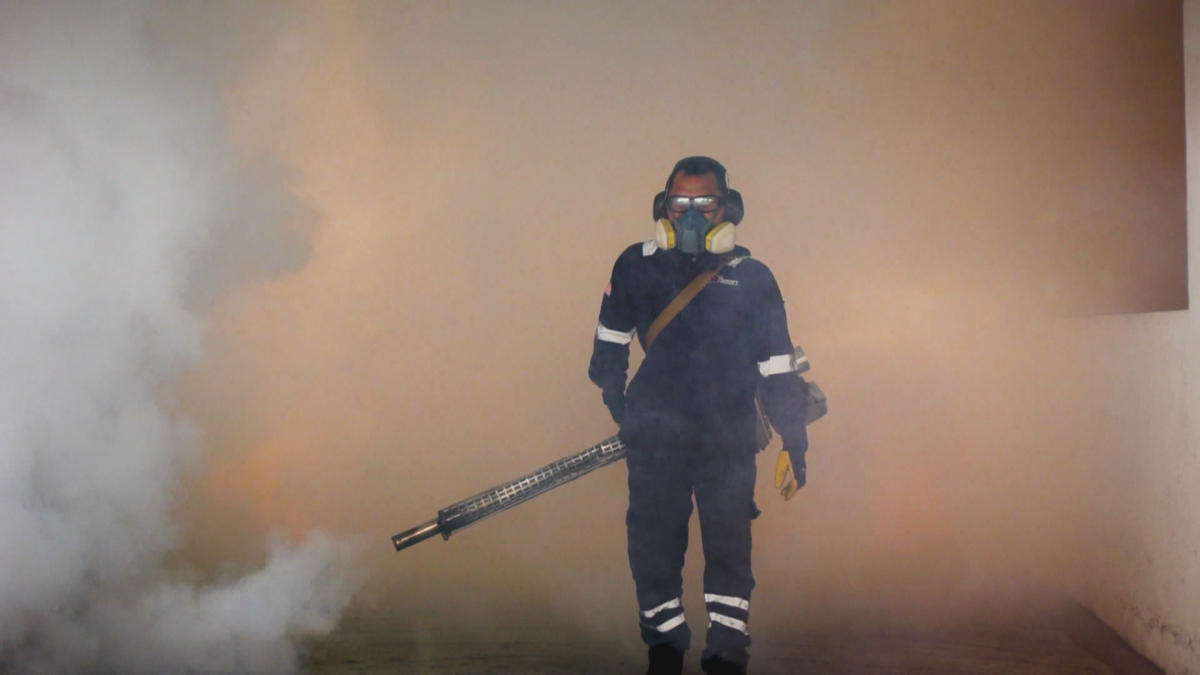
[(416, 535)]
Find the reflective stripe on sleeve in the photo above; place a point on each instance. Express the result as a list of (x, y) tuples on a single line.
[(615, 336), (726, 621), (778, 364), (670, 604), (741, 604)]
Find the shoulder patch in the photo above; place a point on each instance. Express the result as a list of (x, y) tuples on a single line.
[(736, 261), (649, 248)]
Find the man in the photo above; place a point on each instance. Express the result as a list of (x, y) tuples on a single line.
[(689, 416)]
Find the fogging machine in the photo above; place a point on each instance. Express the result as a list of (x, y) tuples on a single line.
[(609, 451)]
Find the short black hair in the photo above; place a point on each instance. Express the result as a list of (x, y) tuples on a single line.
[(698, 166)]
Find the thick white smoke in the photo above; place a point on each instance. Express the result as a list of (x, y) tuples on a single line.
[(120, 195)]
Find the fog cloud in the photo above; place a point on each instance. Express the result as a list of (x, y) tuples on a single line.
[(127, 211)]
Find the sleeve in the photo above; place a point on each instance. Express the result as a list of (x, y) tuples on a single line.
[(614, 332), (784, 392)]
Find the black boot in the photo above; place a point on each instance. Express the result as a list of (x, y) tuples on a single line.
[(665, 660), (721, 667)]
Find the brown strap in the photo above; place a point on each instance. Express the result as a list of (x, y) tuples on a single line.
[(680, 301)]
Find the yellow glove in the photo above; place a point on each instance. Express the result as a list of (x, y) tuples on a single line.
[(790, 473)]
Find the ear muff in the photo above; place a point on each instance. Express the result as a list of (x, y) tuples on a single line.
[(734, 209), (660, 205)]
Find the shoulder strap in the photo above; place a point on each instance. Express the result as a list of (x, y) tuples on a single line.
[(680, 301)]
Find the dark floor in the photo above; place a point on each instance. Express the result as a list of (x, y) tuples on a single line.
[(1064, 640)]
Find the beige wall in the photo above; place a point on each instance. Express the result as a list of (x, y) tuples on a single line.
[(1134, 439)]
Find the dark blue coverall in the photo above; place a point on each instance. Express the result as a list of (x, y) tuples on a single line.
[(689, 420)]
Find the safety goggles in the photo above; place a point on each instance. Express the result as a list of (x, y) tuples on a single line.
[(703, 203)]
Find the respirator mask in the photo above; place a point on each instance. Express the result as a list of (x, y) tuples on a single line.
[(695, 234)]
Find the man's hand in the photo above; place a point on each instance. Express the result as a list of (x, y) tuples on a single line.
[(790, 473), (615, 400)]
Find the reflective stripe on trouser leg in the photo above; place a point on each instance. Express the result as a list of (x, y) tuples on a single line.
[(728, 611), (664, 618)]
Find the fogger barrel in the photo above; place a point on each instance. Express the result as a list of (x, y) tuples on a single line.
[(490, 502)]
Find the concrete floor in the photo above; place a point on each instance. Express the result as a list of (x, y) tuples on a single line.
[(1064, 639)]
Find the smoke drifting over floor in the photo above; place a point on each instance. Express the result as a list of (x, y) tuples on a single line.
[(128, 211)]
